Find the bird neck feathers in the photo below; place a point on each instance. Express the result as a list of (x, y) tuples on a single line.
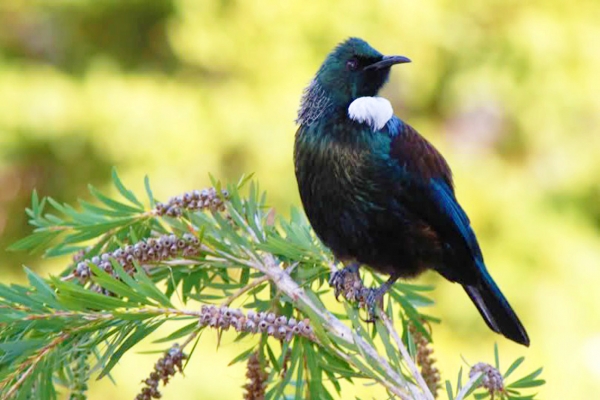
[(373, 111), (315, 102)]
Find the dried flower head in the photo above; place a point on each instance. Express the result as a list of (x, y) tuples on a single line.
[(425, 360), (491, 380), (164, 369), (196, 200), (273, 325), (148, 251), (255, 372)]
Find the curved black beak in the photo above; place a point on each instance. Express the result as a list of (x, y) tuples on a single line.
[(387, 61)]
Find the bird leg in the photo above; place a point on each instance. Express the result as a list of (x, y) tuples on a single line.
[(347, 281), (372, 298)]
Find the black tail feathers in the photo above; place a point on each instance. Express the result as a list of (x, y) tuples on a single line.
[(495, 310)]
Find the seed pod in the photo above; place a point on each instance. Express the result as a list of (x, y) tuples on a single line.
[(250, 326), (281, 332), (164, 241), (263, 325)]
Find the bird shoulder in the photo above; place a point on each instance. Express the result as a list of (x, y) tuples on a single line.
[(419, 156)]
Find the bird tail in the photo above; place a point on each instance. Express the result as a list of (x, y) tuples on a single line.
[(495, 310)]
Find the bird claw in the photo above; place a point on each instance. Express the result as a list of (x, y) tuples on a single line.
[(346, 281), (372, 300)]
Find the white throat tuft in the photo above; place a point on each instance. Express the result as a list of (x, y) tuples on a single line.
[(373, 111)]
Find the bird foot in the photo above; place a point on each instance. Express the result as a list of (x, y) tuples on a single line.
[(372, 300), (346, 281)]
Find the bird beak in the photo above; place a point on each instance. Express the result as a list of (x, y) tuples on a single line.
[(386, 62)]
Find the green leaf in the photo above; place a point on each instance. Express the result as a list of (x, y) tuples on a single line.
[(19, 347), (137, 335), (513, 366), (42, 287), (410, 342), (76, 297), (149, 191), (128, 194), (315, 385), (449, 390), (390, 350), (243, 180), (529, 380), (106, 212), (179, 333), (35, 241), (119, 288), (295, 360), (148, 288), (299, 380), (414, 316), (115, 205), (496, 356), (242, 356)]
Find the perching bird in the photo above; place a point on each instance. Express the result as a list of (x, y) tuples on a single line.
[(377, 193)]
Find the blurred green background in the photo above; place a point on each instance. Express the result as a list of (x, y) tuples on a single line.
[(508, 90)]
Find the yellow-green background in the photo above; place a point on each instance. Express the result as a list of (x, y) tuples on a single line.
[(508, 90)]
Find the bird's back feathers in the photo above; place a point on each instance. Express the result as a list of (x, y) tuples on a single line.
[(438, 207)]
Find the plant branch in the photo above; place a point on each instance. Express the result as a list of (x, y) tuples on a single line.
[(409, 361), (465, 389), (286, 284), (245, 289)]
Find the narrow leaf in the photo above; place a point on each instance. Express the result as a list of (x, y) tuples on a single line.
[(128, 194)]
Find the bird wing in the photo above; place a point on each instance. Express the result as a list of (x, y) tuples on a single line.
[(428, 194)]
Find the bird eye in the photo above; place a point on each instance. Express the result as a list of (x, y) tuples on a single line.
[(352, 64)]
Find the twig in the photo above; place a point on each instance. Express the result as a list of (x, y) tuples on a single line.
[(409, 361), (189, 339), (245, 289), (465, 389)]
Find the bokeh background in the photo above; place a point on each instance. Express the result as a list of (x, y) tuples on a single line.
[(508, 90)]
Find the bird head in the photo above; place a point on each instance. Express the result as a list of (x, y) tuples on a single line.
[(354, 69)]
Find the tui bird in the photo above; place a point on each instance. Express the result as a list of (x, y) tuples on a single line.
[(377, 193)]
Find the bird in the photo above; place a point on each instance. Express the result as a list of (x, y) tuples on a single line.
[(378, 194)]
